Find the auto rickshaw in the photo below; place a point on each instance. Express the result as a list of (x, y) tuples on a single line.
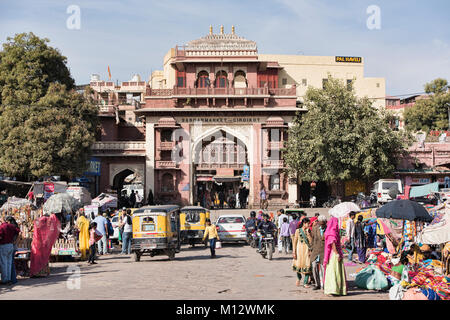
[(156, 231), (193, 224)]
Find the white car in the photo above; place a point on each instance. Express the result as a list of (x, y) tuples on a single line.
[(231, 228), (382, 186), (115, 225)]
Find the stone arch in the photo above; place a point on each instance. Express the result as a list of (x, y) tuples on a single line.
[(118, 173)]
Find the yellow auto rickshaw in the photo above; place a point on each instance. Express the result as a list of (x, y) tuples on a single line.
[(156, 231), (193, 224)]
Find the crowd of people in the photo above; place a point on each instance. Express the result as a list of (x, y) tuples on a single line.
[(315, 245), (220, 198), (95, 232)]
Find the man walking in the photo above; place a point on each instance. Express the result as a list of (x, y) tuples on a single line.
[(350, 232), (281, 215), (263, 197), (132, 199), (211, 233), (102, 227)]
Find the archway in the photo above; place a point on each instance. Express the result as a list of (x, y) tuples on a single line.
[(218, 160)]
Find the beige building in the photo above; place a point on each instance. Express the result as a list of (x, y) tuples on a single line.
[(307, 71)]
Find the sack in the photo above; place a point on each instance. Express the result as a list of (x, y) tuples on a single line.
[(218, 245), (371, 278)]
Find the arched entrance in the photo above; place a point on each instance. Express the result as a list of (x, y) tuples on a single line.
[(219, 158)]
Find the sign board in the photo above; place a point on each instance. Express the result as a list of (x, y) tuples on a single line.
[(93, 167), (348, 59), (246, 173), (420, 180)]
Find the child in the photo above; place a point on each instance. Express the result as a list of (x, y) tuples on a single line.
[(285, 236), (93, 238)]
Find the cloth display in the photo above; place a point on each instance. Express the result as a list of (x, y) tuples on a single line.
[(371, 278)]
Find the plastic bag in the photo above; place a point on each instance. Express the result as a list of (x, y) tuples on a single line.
[(371, 278), (218, 245)]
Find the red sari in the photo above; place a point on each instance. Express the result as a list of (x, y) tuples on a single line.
[(46, 231)]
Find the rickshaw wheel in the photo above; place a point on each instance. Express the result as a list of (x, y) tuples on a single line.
[(137, 256), (171, 254)]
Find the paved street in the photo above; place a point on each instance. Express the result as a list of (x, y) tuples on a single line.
[(237, 273)]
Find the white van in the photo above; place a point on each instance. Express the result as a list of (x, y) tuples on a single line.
[(382, 186)]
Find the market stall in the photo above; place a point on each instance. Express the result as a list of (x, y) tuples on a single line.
[(410, 268)]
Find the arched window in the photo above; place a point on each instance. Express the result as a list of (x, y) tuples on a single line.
[(203, 79), (240, 81), (221, 79), (167, 184)]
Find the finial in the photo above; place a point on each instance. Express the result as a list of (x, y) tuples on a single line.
[(221, 29), (210, 29), (232, 29)]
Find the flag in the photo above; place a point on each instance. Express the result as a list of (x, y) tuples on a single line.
[(109, 73)]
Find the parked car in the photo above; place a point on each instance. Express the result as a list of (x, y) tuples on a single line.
[(231, 228), (115, 225), (381, 189)]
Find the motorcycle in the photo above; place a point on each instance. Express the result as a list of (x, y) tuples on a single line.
[(332, 201), (267, 246), (252, 238)]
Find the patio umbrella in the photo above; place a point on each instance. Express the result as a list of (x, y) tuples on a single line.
[(404, 210), (343, 209), (61, 202)]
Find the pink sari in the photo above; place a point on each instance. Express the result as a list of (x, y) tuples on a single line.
[(331, 236), (46, 231)]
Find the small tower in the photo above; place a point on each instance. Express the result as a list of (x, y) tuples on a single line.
[(221, 29), (232, 29), (210, 29)]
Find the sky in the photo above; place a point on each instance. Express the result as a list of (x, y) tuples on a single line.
[(410, 48)]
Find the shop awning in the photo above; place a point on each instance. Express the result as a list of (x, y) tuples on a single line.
[(424, 190)]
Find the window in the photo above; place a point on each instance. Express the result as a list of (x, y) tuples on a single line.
[(203, 79), (221, 79), (180, 82), (349, 84), (166, 135), (324, 82), (167, 184), (284, 81), (240, 80), (304, 82), (181, 79), (275, 182)]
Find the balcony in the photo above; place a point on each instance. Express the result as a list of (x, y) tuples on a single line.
[(273, 163), (275, 145), (125, 148), (164, 164), (166, 145), (177, 92)]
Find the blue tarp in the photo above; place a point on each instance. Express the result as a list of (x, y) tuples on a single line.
[(424, 190)]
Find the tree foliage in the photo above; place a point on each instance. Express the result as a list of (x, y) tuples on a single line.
[(46, 127), (430, 113), (341, 137)]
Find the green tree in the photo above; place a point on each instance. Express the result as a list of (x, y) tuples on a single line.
[(430, 113), (46, 127), (341, 137)]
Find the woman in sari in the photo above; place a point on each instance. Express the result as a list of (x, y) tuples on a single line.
[(301, 247), (333, 264), (46, 231), (83, 237)]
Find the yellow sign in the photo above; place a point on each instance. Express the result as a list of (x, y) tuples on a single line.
[(349, 59)]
